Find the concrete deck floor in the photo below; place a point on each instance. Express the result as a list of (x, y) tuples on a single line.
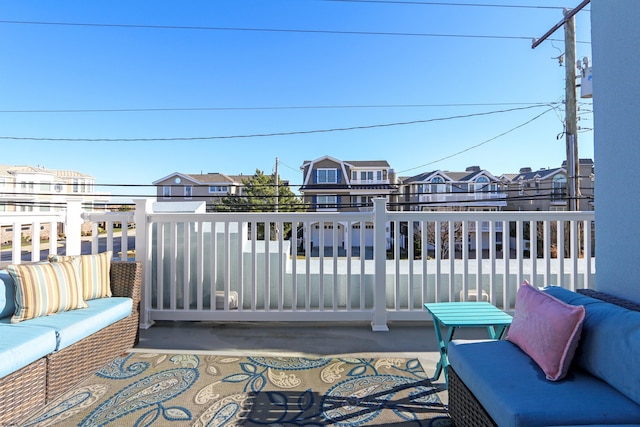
[(405, 340)]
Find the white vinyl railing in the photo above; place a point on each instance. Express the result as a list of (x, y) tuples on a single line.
[(373, 266)]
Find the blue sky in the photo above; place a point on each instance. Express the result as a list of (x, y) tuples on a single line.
[(335, 63)]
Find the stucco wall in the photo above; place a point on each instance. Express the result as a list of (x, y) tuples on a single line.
[(616, 96)]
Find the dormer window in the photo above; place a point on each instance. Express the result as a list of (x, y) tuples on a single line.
[(437, 185), (366, 176), (327, 176), (482, 184)]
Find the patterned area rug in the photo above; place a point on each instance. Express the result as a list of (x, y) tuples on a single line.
[(143, 389)]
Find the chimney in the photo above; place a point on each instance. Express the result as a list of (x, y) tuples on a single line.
[(473, 169), (526, 170)]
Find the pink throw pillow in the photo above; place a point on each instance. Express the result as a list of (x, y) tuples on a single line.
[(547, 329)]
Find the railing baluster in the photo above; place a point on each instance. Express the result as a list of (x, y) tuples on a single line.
[(271, 278)]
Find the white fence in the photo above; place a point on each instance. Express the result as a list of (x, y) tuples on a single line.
[(373, 266)]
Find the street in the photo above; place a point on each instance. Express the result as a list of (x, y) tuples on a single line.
[(5, 254)]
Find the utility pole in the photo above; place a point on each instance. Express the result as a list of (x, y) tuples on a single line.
[(276, 201), (277, 194), (571, 113)]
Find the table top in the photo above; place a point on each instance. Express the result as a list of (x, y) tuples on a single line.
[(468, 314)]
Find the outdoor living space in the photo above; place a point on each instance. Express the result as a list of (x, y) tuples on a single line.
[(341, 339), (240, 312), (231, 312), (270, 358)]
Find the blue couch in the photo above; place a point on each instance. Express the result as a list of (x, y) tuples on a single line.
[(41, 358), (496, 383)]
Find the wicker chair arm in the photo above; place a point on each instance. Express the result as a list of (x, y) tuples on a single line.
[(629, 305), (126, 280)]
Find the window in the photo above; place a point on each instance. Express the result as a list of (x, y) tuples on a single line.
[(218, 189), (354, 175), (366, 201), (559, 190), (45, 186), (27, 186), (326, 202), (188, 192), (437, 185), (482, 184), (166, 192), (366, 176), (58, 188), (379, 175), (76, 186), (327, 176)]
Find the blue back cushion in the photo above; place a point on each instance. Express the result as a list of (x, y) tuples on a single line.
[(7, 295), (610, 342)]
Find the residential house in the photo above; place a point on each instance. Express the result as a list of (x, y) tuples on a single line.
[(475, 189), (208, 188), (37, 189), (547, 189), (330, 184), (333, 185)]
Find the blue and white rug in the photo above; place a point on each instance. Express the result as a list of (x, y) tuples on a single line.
[(144, 389)]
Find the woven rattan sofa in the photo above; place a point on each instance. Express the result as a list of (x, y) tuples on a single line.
[(54, 372), (495, 383)]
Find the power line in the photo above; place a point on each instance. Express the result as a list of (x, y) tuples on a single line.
[(270, 30), (262, 135), (435, 3), (481, 143), (290, 107)]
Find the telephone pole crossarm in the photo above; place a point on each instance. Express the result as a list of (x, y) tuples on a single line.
[(568, 15)]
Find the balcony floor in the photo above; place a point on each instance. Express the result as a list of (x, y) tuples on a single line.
[(404, 339)]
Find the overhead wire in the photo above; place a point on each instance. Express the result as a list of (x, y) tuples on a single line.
[(438, 3), (273, 134), (270, 30), (481, 143), (290, 107)]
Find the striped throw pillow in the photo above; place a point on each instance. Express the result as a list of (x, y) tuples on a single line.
[(96, 281), (43, 289), (94, 273)]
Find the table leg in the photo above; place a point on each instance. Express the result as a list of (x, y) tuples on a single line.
[(496, 333), (443, 363)]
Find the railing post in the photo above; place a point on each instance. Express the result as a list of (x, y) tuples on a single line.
[(379, 322), (73, 226), (16, 243), (143, 254)]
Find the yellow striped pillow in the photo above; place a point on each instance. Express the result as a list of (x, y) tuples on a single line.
[(94, 273), (96, 282), (43, 289)]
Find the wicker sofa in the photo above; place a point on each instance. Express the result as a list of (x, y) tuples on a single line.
[(496, 383), (41, 365)]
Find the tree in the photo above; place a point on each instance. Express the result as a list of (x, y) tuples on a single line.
[(259, 195)]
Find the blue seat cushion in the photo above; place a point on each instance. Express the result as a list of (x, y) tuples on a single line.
[(7, 294), (74, 325), (22, 346), (514, 390), (609, 342)]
